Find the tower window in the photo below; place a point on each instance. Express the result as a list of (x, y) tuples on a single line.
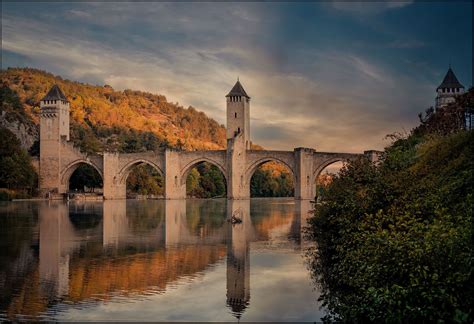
[(238, 130), (235, 114)]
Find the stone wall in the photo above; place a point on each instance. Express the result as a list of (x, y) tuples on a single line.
[(59, 158)]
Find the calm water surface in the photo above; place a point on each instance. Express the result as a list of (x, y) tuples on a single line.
[(155, 261)]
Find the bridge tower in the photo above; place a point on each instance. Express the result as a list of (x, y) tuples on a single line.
[(238, 114), (238, 140), (54, 128)]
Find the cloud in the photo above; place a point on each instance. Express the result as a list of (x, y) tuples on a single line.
[(406, 44), (367, 8), (79, 13), (328, 99)]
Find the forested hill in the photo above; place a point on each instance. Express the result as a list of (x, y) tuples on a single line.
[(106, 119)]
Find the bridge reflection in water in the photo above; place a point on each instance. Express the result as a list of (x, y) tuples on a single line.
[(96, 251)]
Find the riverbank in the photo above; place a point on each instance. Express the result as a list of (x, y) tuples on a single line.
[(394, 240)]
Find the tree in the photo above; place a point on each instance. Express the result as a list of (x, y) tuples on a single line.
[(192, 183), (394, 240), (205, 180), (16, 170), (265, 182), (145, 180)]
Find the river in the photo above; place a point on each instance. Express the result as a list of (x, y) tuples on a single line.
[(175, 260)]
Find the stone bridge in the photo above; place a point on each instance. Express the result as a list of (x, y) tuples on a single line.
[(59, 158), (174, 166)]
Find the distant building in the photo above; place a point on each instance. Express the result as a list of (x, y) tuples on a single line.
[(447, 92)]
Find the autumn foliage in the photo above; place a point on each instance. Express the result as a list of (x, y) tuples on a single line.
[(101, 114)]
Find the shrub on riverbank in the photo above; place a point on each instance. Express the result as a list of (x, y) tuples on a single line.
[(6, 195), (394, 240), (16, 171)]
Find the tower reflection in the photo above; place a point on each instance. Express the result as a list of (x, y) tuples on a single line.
[(121, 247), (56, 244), (238, 257)]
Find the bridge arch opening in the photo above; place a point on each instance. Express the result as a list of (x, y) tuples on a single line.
[(205, 179), (85, 216), (325, 174), (271, 178), (82, 177), (143, 179)]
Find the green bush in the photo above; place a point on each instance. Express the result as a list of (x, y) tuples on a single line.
[(394, 240), (16, 170), (205, 180)]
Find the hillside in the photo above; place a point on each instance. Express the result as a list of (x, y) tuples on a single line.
[(103, 119), (114, 120)]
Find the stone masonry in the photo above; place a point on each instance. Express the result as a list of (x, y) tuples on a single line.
[(59, 158)]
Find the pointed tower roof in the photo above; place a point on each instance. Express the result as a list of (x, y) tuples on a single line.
[(450, 81), (238, 90), (55, 93)]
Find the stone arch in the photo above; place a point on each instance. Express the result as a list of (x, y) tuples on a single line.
[(122, 175), (320, 167), (253, 167), (187, 168), (67, 172)]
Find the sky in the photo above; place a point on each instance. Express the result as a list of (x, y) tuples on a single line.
[(333, 76)]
